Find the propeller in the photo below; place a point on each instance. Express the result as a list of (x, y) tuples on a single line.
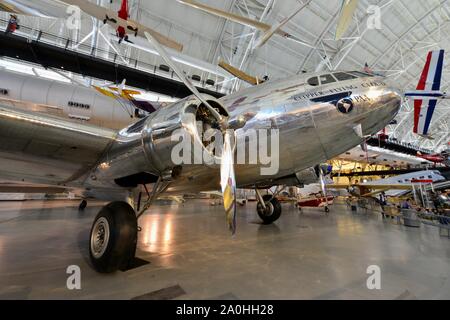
[(227, 176)]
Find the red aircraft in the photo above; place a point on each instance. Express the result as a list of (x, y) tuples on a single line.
[(435, 158), (123, 14)]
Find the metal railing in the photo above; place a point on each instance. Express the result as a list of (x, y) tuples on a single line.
[(33, 34)]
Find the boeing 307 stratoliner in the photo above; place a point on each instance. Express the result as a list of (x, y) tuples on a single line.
[(317, 117)]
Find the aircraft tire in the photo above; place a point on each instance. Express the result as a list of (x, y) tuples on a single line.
[(272, 212), (113, 237)]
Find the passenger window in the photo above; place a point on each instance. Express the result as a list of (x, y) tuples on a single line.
[(341, 76), (327, 78), (313, 81)]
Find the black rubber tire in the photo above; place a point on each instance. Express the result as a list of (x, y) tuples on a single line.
[(121, 247), (327, 210), (276, 213), (83, 205)]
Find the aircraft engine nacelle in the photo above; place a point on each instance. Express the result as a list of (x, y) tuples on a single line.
[(177, 133), (151, 147)]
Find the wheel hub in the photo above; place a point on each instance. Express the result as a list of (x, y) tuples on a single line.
[(268, 211), (99, 237)]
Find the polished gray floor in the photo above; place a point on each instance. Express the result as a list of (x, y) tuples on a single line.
[(192, 255)]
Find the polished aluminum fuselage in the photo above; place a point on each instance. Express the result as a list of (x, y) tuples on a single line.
[(311, 130)]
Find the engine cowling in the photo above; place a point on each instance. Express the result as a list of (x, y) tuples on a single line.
[(145, 148), (188, 117)]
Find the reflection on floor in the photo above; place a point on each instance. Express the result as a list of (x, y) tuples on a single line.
[(192, 255)]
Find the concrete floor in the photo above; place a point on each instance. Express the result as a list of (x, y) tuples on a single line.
[(192, 255)]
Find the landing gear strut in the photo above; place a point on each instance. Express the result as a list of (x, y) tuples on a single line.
[(113, 236), (83, 205), (268, 208)]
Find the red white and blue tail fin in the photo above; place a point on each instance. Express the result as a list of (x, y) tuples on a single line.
[(428, 92)]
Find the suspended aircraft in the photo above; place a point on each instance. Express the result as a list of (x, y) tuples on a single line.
[(267, 30), (428, 92), (348, 8), (442, 157), (117, 20), (393, 186)]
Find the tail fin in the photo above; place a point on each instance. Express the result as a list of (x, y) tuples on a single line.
[(429, 82), (432, 72)]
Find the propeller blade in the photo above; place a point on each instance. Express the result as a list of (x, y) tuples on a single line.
[(227, 177), (228, 181), (165, 56)]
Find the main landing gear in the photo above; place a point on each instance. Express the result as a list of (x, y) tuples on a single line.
[(268, 207), (114, 233)]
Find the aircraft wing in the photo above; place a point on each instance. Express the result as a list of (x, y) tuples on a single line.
[(240, 74), (132, 27), (38, 148), (346, 15), (368, 190), (371, 186), (21, 188), (4, 6), (48, 9), (229, 16)]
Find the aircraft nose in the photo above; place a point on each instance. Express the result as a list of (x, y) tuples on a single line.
[(392, 101)]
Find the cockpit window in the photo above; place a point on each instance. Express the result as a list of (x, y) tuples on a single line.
[(313, 81), (341, 76), (361, 74), (327, 78)]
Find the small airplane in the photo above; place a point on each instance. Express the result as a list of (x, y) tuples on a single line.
[(442, 157), (312, 195), (392, 186), (380, 156), (428, 92), (119, 21)]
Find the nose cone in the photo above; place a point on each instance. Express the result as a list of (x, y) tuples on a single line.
[(397, 99), (386, 103)]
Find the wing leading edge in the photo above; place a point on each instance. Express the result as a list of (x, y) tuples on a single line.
[(37, 148)]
